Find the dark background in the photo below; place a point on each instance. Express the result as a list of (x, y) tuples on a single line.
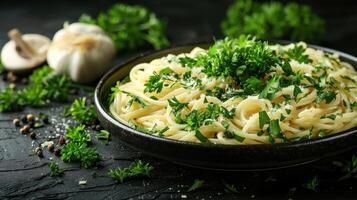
[(25, 176)]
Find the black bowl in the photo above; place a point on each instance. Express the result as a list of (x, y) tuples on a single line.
[(216, 156)]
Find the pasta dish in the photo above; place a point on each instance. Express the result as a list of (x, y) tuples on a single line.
[(239, 91)]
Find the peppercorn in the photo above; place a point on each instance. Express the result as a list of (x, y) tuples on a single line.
[(57, 152), (61, 140), (51, 147), (24, 81), (39, 152), (30, 117), (23, 118), (16, 122), (25, 129), (33, 135), (45, 119)]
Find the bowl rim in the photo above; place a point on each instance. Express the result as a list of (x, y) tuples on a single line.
[(101, 105)]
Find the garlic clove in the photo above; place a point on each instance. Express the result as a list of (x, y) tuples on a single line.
[(14, 60)]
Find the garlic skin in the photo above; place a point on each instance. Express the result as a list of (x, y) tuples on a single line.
[(13, 60), (82, 51)]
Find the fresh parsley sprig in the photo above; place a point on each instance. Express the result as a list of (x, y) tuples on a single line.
[(138, 168), (44, 87), (77, 150), (273, 20), (81, 111), (131, 26), (55, 170)]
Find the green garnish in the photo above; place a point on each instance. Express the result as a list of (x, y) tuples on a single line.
[(273, 19), (274, 128), (312, 184), (263, 119), (131, 27), (103, 135), (154, 84), (229, 188), (136, 99), (44, 87), (55, 170), (176, 105), (349, 168), (81, 111), (201, 137), (297, 53), (197, 183), (78, 134), (77, 149), (138, 168), (327, 96)]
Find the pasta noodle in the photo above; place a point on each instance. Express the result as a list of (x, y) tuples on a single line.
[(295, 112)]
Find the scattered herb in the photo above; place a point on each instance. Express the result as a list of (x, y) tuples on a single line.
[(138, 168), (103, 135), (349, 168), (229, 188), (273, 20), (197, 183), (77, 149), (298, 53), (263, 119), (55, 170), (176, 105), (44, 87), (131, 27), (81, 111), (312, 184)]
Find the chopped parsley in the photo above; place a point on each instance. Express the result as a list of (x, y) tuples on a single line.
[(197, 183), (81, 111), (297, 53), (77, 150), (44, 87), (55, 170), (131, 26), (136, 169), (263, 119), (176, 105), (312, 184), (274, 20)]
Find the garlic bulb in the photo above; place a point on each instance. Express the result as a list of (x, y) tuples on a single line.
[(83, 51)]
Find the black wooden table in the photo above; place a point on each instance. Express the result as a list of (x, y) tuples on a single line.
[(26, 176)]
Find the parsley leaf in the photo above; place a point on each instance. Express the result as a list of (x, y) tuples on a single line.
[(55, 170), (154, 84), (131, 26), (77, 149), (312, 184), (81, 112), (176, 105), (263, 119), (297, 53), (327, 96), (273, 19), (136, 169), (197, 183)]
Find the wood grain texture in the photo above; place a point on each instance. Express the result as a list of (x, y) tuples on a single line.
[(25, 176)]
